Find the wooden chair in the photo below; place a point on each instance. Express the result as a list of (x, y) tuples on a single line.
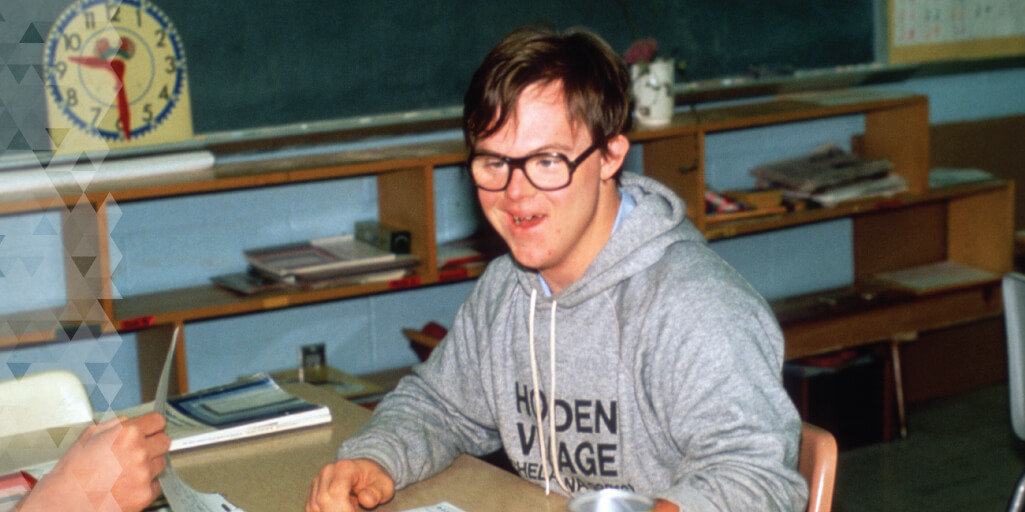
[(817, 464), (41, 400)]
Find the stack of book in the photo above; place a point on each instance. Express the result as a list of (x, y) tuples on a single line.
[(741, 204), (321, 263), (829, 175), (250, 407)]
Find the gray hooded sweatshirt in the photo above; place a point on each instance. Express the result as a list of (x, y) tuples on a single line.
[(661, 363)]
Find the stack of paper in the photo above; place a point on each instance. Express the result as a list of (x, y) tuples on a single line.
[(319, 263), (829, 175)]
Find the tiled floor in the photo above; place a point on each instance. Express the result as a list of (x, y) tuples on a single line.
[(960, 455)]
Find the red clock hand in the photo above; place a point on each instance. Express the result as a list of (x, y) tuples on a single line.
[(91, 62), (123, 113), (116, 66)]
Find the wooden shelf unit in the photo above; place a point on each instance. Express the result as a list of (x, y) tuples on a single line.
[(971, 224)]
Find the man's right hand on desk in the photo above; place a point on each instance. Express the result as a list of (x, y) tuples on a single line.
[(349, 483)]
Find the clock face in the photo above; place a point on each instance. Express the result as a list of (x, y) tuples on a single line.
[(115, 76)]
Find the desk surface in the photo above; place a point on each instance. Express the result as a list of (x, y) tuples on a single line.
[(273, 473)]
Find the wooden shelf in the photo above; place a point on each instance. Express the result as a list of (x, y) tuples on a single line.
[(739, 227), (964, 223), (828, 321), (51, 324), (211, 301)]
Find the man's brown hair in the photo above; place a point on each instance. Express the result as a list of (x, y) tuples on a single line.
[(595, 82)]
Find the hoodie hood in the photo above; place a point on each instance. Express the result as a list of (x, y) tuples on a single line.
[(658, 220)]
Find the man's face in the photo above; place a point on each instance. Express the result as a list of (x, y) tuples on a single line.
[(555, 232)]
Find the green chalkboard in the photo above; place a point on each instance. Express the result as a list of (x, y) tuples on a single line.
[(260, 63)]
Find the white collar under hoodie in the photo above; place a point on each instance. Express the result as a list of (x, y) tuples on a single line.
[(667, 367)]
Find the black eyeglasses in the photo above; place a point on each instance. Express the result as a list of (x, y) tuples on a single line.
[(545, 171)]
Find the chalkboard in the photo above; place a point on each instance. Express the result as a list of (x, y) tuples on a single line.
[(262, 63)]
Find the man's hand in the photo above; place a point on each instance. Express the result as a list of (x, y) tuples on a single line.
[(112, 466), (349, 483)]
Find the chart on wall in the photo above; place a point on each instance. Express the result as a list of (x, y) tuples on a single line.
[(935, 30)]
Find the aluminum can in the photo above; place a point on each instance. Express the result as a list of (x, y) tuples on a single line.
[(611, 500)]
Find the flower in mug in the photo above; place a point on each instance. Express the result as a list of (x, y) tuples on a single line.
[(643, 50)]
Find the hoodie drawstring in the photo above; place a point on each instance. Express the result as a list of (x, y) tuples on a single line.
[(552, 449)]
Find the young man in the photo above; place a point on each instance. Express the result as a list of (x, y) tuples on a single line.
[(612, 347)]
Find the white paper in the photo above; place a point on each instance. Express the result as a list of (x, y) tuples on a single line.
[(180, 496), (183, 498), (440, 507)]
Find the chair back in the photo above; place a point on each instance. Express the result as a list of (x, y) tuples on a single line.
[(817, 464), (42, 400), (1013, 287)]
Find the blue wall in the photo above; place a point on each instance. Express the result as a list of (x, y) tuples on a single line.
[(178, 242), (182, 241)]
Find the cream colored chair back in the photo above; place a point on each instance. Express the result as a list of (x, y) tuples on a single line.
[(1013, 287), (817, 464), (41, 400)]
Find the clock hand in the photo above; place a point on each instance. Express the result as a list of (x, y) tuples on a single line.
[(116, 66), (123, 113), (91, 62)]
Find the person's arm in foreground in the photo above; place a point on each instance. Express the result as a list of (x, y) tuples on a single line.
[(111, 467)]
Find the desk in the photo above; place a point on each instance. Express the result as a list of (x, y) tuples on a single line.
[(273, 474)]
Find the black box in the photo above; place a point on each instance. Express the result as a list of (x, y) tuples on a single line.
[(847, 393), (381, 235)]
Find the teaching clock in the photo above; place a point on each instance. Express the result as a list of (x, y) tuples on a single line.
[(115, 76)]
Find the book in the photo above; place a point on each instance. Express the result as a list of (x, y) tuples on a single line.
[(885, 186), (823, 168), (14, 487), (250, 283), (726, 206), (254, 282), (457, 256), (756, 198), (254, 406), (935, 277), (323, 257), (348, 386), (945, 177)]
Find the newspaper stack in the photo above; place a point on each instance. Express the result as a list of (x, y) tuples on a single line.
[(829, 175)]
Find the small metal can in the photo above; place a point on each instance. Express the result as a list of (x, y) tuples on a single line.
[(611, 500)]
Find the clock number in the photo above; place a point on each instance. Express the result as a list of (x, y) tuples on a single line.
[(90, 20), (71, 96), (162, 37), (148, 113), (96, 115), (172, 65), (164, 94), (61, 67), (72, 42), (116, 15)]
